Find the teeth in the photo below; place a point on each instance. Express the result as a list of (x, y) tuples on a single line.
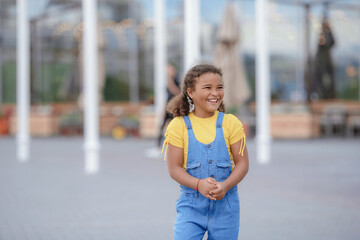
[(213, 100)]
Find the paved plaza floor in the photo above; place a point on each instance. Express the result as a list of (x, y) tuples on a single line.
[(309, 191)]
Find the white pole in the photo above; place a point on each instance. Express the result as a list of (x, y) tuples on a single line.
[(160, 60), (192, 33), (22, 79), (262, 84), (90, 73)]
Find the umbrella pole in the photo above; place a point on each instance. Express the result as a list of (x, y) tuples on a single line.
[(307, 51), (359, 77)]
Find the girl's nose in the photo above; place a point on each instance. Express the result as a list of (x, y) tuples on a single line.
[(214, 92)]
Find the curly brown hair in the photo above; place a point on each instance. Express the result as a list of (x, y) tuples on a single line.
[(179, 105)]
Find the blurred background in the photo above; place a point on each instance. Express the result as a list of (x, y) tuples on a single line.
[(319, 81)]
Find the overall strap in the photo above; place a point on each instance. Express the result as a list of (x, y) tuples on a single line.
[(191, 135), (219, 120), (187, 122)]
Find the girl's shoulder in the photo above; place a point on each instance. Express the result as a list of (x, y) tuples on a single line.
[(231, 119), (176, 122), (233, 128)]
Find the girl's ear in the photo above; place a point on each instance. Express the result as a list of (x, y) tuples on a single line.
[(189, 92)]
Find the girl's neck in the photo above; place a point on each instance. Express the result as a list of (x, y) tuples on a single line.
[(204, 114)]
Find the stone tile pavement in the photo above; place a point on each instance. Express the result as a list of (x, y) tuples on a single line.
[(310, 190)]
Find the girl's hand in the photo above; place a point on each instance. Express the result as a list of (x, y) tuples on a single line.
[(219, 192), (206, 186)]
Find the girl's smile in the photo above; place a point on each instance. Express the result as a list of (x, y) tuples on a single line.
[(207, 94)]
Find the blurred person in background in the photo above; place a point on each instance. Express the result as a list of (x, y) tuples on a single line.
[(324, 70), (172, 89)]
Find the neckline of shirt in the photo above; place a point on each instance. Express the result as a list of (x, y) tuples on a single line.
[(192, 115)]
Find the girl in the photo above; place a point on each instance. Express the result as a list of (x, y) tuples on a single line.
[(207, 156)]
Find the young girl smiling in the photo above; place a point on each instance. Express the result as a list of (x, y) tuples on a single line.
[(207, 156)]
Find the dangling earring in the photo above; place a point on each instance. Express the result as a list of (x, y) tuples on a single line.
[(191, 104)]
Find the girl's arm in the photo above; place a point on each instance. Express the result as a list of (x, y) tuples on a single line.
[(238, 173), (175, 160)]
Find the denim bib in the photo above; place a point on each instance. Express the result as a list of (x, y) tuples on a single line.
[(207, 160)]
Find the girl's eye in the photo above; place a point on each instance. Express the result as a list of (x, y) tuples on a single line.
[(220, 87)]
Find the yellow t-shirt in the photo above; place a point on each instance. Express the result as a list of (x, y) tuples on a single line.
[(205, 132)]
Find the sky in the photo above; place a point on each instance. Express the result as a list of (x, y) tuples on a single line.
[(36, 7)]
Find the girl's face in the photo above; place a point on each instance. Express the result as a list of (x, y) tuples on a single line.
[(207, 94)]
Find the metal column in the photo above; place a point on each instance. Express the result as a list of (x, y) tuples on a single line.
[(22, 80), (192, 33), (160, 60), (262, 84), (90, 73)]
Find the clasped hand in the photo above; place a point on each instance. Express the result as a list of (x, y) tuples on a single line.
[(212, 189)]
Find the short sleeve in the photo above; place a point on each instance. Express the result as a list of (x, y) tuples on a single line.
[(235, 128), (236, 131), (175, 132)]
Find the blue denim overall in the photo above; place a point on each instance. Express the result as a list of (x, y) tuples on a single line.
[(197, 214)]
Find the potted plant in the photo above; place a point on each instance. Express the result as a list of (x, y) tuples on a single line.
[(4, 123)]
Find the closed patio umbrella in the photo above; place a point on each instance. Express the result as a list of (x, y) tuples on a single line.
[(226, 57)]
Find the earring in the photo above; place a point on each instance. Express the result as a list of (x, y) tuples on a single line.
[(191, 104)]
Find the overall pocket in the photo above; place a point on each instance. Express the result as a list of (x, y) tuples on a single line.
[(194, 169), (223, 171)]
